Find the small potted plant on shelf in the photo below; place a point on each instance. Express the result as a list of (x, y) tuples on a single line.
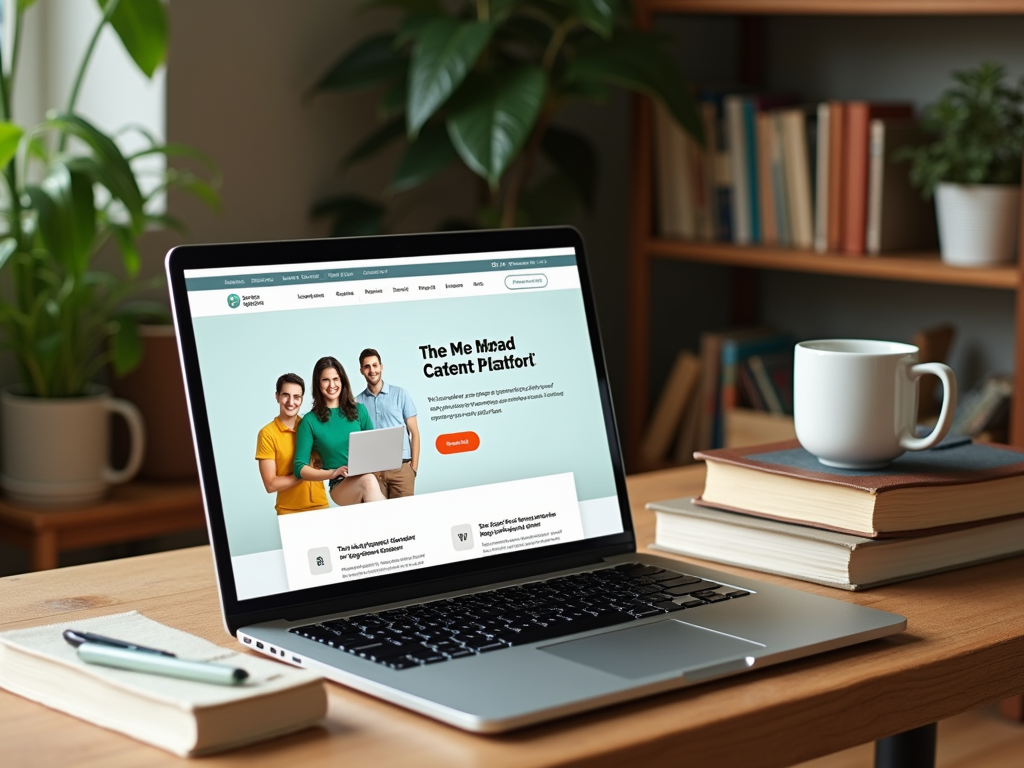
[(973, 166), (476, 84), (67, 191)]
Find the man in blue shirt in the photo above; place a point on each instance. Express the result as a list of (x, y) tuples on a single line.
[(391, 406)]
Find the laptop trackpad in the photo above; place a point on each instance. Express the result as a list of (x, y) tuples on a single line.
[(651, 649)]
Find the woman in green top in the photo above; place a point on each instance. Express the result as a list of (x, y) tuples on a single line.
[(334, 417)]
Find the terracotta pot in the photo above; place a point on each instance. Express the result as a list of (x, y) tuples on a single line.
[(157, 389), (55, 449)]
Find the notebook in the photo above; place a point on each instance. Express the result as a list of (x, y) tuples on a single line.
[(506, 560)]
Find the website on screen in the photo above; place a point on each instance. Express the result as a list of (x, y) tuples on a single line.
[(378, 416)]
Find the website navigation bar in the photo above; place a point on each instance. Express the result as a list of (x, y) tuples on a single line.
[(287, 290)]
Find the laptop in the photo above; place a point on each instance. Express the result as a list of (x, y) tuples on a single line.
[(375, 450), (505, 589)]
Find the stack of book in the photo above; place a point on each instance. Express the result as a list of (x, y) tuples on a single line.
[(776, 172), (775, 508)]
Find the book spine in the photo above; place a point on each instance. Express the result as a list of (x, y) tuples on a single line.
[(836, 186), (753, 184), (798, 177), (769, 229), (779, 186), (876, 169), (821, 189), (741, 233), (856, 173)]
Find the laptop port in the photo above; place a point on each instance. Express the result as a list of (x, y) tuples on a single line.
[(247, 640), (296, 659), (259, 645), (273, 649)]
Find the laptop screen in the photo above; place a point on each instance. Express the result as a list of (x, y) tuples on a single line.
[(485, 360)]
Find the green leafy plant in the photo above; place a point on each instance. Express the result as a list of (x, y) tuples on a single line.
[(978, 126), (67, 190), (478, 82)]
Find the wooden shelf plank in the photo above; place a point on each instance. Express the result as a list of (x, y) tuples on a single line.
[(915, 268), (838, 7)]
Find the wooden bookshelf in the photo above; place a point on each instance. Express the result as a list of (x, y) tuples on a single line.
[(646, 247)]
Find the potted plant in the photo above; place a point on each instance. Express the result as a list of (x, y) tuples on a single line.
[(67, 191), (477, 83), (973, 166)]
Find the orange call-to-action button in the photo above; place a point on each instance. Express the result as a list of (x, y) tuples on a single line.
[(457, 442)]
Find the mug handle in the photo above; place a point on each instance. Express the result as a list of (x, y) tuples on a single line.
[(945, 373), (137, 435)]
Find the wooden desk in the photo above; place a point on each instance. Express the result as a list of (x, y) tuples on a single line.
[(964, 647), (137, 510)]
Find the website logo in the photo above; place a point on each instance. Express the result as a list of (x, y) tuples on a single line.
[(234, 300)]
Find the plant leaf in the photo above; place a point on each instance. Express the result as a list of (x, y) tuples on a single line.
[(7, 246), (109, 166), (10, 136), (129, 250), (375, 142), (142, 27), (637, 61), (353, 216), (493, 116), (444, 53), (424, 158), (575, 159), (599, 15), (372, 61), (66, 213), (125, 345)]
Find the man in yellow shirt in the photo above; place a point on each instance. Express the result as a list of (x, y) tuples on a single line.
[(275, 452)]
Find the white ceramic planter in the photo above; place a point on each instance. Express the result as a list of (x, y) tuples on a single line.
[(56, 450), (978, 223)]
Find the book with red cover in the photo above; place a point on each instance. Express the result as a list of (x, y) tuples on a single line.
[(856, 142), (920, 492)]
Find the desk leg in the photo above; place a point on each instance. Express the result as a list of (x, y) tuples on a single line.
[(44, 551), (910, 749)]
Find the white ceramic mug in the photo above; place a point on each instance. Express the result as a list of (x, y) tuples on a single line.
[(855, 401)]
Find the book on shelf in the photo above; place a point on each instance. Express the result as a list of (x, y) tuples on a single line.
[(984, 408), (674, 175), (821, 181), (741, 112), (720, 172), (797, 140), (823, 556), (766, 195), (858, 116), (181, 716), (779, 186), (898, 218), (772, 375), (735, 353), (835, 196), (679, 391), (712, 355), (960, 483)]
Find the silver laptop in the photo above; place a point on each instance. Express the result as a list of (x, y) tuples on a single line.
[(375, 450), (502, 588)]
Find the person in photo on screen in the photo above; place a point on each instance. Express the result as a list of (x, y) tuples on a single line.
[(391, 406), (275, 452), (326, 428)]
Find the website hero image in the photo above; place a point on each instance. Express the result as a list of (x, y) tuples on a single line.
[(368, 430)]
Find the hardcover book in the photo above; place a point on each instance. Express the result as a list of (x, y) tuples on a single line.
[(958, 483), (822, 556)]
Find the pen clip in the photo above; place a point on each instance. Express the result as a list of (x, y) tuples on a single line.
[(75, 638)]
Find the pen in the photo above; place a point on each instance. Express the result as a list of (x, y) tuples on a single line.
[(76, 637), (156, 664)]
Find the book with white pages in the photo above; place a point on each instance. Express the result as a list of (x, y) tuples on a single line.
[(822, 556)]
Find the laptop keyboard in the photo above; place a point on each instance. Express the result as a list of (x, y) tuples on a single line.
[(527, 613)]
